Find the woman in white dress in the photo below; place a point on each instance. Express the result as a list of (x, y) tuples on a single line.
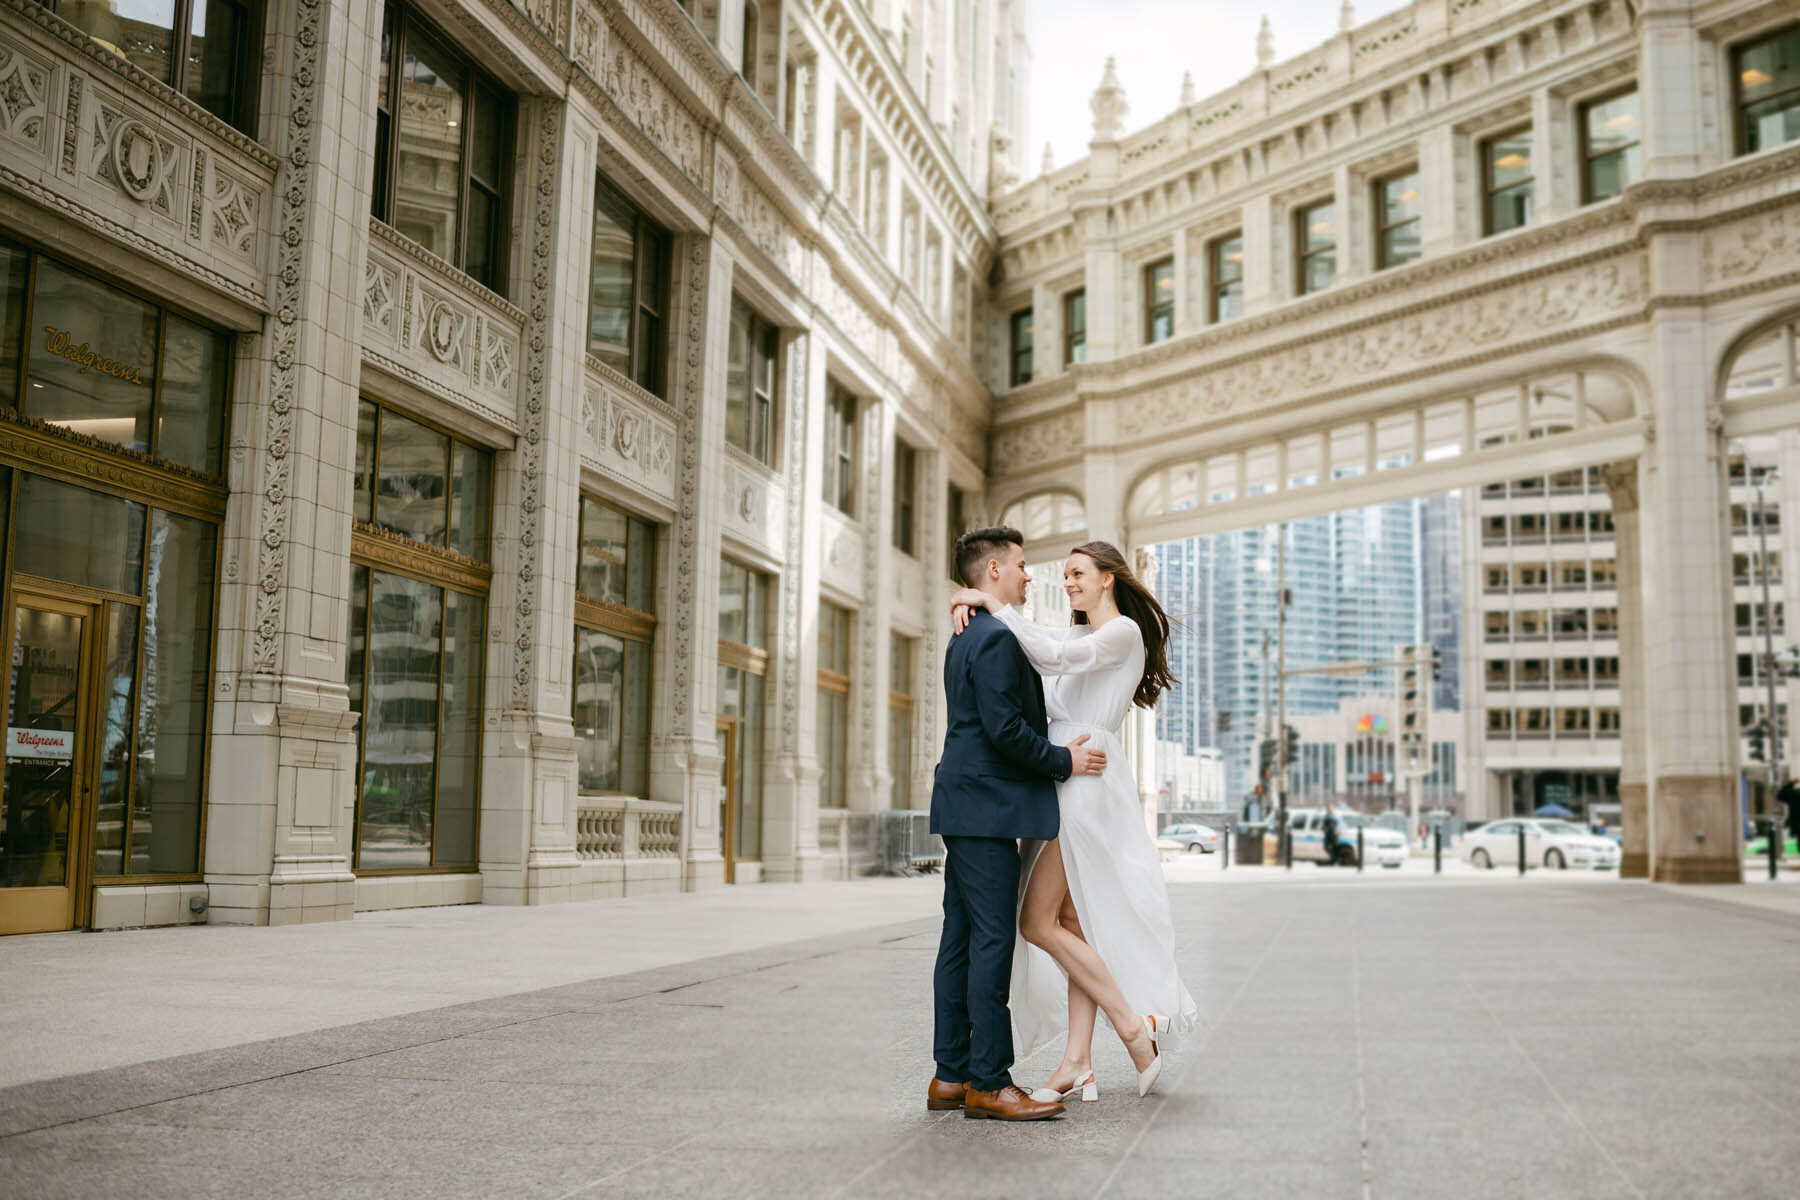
[(1094, 918)]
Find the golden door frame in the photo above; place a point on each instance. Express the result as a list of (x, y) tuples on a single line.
[(49, 908), (729, 728)]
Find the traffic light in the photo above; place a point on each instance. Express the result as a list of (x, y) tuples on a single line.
[(1290, 745), (1437, 665), (1413, 700), (1265, 758), (1756, 733), (1222, 720)]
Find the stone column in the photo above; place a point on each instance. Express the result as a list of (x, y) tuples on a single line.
[(1260, 290), (1689, 648), (1670, 89), (1634, 808), (1103, 496), (1106, 339), (529, 773), (871, 783), (281, 795), (685, 760), (791, 803)]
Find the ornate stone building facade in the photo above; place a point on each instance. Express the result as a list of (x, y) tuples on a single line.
[(478, 450), (1471, 241)]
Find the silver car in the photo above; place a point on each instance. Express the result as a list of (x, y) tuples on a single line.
[(1193, 839)]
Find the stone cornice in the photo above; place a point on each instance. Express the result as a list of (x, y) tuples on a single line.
[(123, 70)]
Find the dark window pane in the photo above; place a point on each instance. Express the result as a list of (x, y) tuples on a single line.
[(601, 571), (79, 536), (13, 261), (1400, 199), (640, 567), (1613, 124), (113, 796), (363, 505), (481, 239), (1318, 228), (429, 174), (1772, 123), (214, 57), (750, 762), (833, 749), (599, 713), (1509, 209), (1509, 159), (1400, 244), (356, 656), (737, 379), (459, 774), (190, 425), (609, 297), (487, 137), (143, 33), (171, 740), (93, 358), (400, 723), (413, 464), (1321, 270), (634, 756), (470, 501)]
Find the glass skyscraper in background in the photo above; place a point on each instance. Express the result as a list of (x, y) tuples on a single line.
[(1356, 581)]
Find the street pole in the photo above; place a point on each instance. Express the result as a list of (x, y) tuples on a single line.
[(1281, 682), (1268, 715), (1762, 534)]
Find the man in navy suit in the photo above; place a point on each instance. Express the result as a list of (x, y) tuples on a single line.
[(995, 784)]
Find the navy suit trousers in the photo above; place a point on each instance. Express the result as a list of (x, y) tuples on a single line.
[(973, 1038)]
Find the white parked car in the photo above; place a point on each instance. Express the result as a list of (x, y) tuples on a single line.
[(1554, 844), (1380, 845), (1193, 839)]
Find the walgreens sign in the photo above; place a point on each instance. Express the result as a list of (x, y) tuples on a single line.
[(58, 744)]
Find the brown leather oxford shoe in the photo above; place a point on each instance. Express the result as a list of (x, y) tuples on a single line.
[(941, 1096), (1008, 1104)]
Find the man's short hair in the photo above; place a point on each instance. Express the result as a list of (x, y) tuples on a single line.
[(974, 548)]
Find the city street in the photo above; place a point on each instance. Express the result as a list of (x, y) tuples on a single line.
[(1393, 1034)]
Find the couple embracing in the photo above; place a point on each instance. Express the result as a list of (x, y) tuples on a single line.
[(1090, 930)]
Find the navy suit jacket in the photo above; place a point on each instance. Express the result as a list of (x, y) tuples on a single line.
[(999, 771)]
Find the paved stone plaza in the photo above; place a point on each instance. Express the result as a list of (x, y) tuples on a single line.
[(1388, 1035)]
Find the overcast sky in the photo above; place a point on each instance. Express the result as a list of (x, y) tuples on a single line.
[(1154, 42)]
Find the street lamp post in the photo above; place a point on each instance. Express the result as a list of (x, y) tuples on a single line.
[(1769, 671)]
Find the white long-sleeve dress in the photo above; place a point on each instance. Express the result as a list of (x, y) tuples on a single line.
[(1115, 876)]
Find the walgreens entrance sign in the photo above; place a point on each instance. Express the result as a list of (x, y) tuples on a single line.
[(56, 744)]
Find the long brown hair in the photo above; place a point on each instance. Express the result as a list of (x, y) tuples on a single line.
[(1135, 601)]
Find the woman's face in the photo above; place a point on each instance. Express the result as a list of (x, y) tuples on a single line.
[(1084, 582)]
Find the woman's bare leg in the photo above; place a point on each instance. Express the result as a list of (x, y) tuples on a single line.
[(1038, 923), (1078, 1050)]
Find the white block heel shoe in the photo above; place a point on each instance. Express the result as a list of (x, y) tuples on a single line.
[(1086, 1085)]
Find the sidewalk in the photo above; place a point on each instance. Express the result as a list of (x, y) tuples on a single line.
[(74, 1002), (1384, 1036)]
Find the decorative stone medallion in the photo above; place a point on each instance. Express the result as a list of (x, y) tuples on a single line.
[(137, 159)]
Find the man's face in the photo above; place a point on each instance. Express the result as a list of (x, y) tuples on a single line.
[(1009, 576)]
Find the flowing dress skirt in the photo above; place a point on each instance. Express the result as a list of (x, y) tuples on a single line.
[(1116, 880)]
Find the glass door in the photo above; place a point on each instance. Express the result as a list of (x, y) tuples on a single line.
[(728, 735), (46, 786)]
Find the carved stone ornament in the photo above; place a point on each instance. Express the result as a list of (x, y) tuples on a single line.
[(1108, 105), (443, 330), (137, 158), (625, 433), (747, 505)]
